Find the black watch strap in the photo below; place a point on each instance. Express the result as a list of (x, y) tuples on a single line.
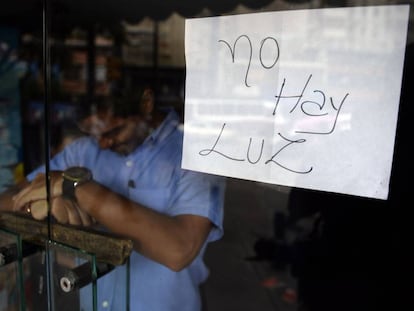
[(68, 189), (72, 178)]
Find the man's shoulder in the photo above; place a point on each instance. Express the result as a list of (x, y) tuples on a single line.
[(83, 141), (80, 146)]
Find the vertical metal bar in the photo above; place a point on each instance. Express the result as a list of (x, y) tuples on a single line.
[(47, 99), (47, 103)]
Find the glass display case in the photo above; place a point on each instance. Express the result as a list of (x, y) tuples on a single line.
[(288, 244)]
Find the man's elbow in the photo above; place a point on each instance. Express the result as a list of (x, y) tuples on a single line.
[(182, 259), (176, 266)]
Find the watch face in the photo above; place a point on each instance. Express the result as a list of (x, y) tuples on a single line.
[(77, 173)]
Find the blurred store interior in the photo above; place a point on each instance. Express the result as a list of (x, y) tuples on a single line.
[(273, 255)]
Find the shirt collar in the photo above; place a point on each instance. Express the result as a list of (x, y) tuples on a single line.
[(169, 124)]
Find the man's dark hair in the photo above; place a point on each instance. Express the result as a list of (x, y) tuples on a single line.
[(122, 106)]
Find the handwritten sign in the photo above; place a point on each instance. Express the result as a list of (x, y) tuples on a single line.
[(305, 98)]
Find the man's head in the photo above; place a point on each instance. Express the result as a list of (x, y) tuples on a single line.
[(121, 126)]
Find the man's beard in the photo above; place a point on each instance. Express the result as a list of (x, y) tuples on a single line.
[(142, 131)]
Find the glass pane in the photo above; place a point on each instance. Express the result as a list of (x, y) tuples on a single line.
[(19, 67), (17, 272), (283, 247), (71, 271), (20, 86), (12, 292), (76, 277)]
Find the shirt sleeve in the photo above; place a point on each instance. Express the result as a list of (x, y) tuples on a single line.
[(70, 156), (200, 194)]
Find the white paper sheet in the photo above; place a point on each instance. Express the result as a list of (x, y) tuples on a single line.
[(305, 98)]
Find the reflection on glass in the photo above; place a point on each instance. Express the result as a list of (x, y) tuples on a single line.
[(106, 61), (11, 70)]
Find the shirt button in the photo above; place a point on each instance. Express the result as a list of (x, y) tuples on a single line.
[(105, 304), (129, 163)]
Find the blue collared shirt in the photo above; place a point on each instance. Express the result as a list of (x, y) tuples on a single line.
[(151, 176)]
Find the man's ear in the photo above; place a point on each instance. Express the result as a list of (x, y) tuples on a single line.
[(147, 102)]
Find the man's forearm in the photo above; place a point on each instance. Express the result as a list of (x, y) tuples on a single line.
[(171, 241)]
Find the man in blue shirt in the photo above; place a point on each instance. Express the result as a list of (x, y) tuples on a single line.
[(139, 191)]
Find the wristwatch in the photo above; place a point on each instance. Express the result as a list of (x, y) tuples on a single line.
[(72, 178)]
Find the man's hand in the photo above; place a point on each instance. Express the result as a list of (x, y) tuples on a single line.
[(33, 200), (36, 190), (63, 210)]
